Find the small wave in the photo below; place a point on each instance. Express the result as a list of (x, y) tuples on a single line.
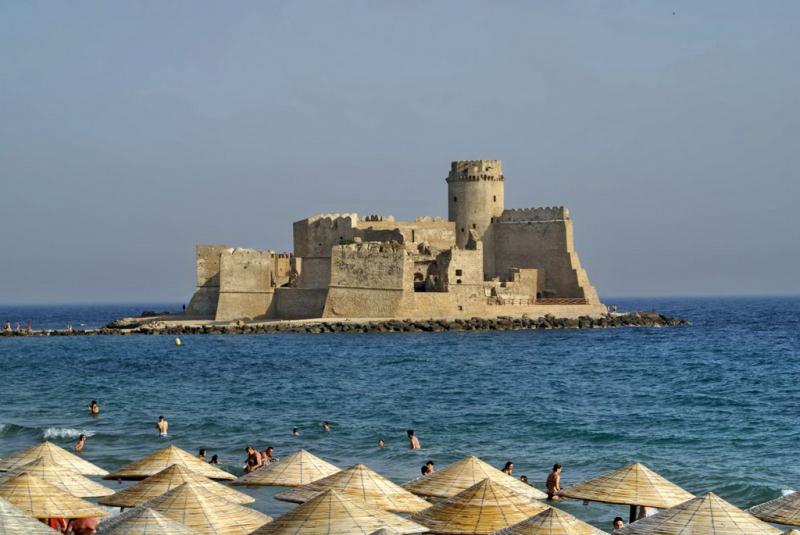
[(66, 432), (10, 429), (786, 492)]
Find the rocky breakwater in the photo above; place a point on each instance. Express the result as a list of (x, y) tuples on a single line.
[(146, 326)]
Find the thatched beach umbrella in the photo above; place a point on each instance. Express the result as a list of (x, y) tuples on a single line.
[(363, 485), (707, 514), (552, 521), (143, 521), (461, 475), (164, 458), (631, 485), (14, 521), (485, 507), (791, 532), (196, 507), (386, 531), (783, 510), (51, 452), (62, 477), (333, 512), (40, 499), (295, 470), (166, 480)]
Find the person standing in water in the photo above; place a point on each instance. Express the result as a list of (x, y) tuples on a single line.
[(202, 454), (253, 461), (326, 426), (413, 441), (553, 483), (295, 432), (81, 442), (381, 443), (94, 408), (163, 426), (508, 469)]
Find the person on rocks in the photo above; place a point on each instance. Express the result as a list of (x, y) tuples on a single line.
[(253, 461), (413, 441), (553, 483), (267, 456), (163, 426)]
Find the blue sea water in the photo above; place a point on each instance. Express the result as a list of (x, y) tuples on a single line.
[(712, 406)]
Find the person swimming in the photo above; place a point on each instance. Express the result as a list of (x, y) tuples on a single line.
[(508, 469), (81, 442), (253, 461), (214, 460), (413, 441), (163, 426), (295, 432), (201, 454), (267, 457), (381, 443), (619, 523), (94, 408), (428, 468)]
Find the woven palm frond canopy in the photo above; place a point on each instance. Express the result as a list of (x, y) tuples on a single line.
[(783, 510), (164, 458), (295, 470), (62, 477), (41, 499), (198, 508), (634, 484), (791, 532), (707, 514), (50, 452), (552, 521), (462, 474), (333, 512), (482, 508), (166, 480), (143, 521), (362, 485), (386, 531), (14, 521)]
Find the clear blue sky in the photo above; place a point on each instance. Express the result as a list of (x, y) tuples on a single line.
[(130, 131)]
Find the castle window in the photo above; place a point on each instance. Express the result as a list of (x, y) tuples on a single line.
[(455, 199), (494, 198), (474, 225), (458, 281), (462, 229), (459, 273), (412, 236)]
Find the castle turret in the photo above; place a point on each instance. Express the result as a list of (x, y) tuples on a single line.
[(475, 196)]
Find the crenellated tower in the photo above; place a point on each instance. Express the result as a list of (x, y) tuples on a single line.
[(475, 197)]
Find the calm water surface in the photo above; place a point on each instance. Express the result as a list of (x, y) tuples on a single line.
[(713, 406)]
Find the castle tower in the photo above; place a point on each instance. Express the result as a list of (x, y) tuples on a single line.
[(475, 197)]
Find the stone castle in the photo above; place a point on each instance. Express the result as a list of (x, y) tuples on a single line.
[(484, 260)]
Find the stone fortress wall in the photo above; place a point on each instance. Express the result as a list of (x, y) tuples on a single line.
[(485, 261)]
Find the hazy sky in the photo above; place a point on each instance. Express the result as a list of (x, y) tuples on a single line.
[(130, 131)]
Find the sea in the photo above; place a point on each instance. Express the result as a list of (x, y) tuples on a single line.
[(713, 406)]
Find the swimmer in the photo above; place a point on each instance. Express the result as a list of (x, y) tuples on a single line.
[(81, 442), (326, 426), (412, 440), (163, 426), (508, 469), (94, 408)]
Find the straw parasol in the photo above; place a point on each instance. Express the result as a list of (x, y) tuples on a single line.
[(552, 521), (62, 477), (14, 521), (334, 512), (143, 521), (200, 509), (363, 485), (295, 470), (482, 508), (40, 499), (51, 452), (166, 480), (462, 474), (164, 458), (632, 485), (783, 510), (385, 531), (791, 532), (707, 514)]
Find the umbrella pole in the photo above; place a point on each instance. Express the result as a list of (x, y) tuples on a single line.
[(632, 518)]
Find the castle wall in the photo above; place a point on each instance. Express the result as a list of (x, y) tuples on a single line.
[(369, 280), (460, 267), (541, 238), (246, 279), (204, 300), (299, 303)]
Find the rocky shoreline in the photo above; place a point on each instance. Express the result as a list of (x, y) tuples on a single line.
[(152, 326)]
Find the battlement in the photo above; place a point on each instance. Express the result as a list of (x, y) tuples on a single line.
[(534, 215), (475, 170), (330, 219)]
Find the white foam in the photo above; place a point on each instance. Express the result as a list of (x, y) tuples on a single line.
[(66, 432), (786, 492)]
